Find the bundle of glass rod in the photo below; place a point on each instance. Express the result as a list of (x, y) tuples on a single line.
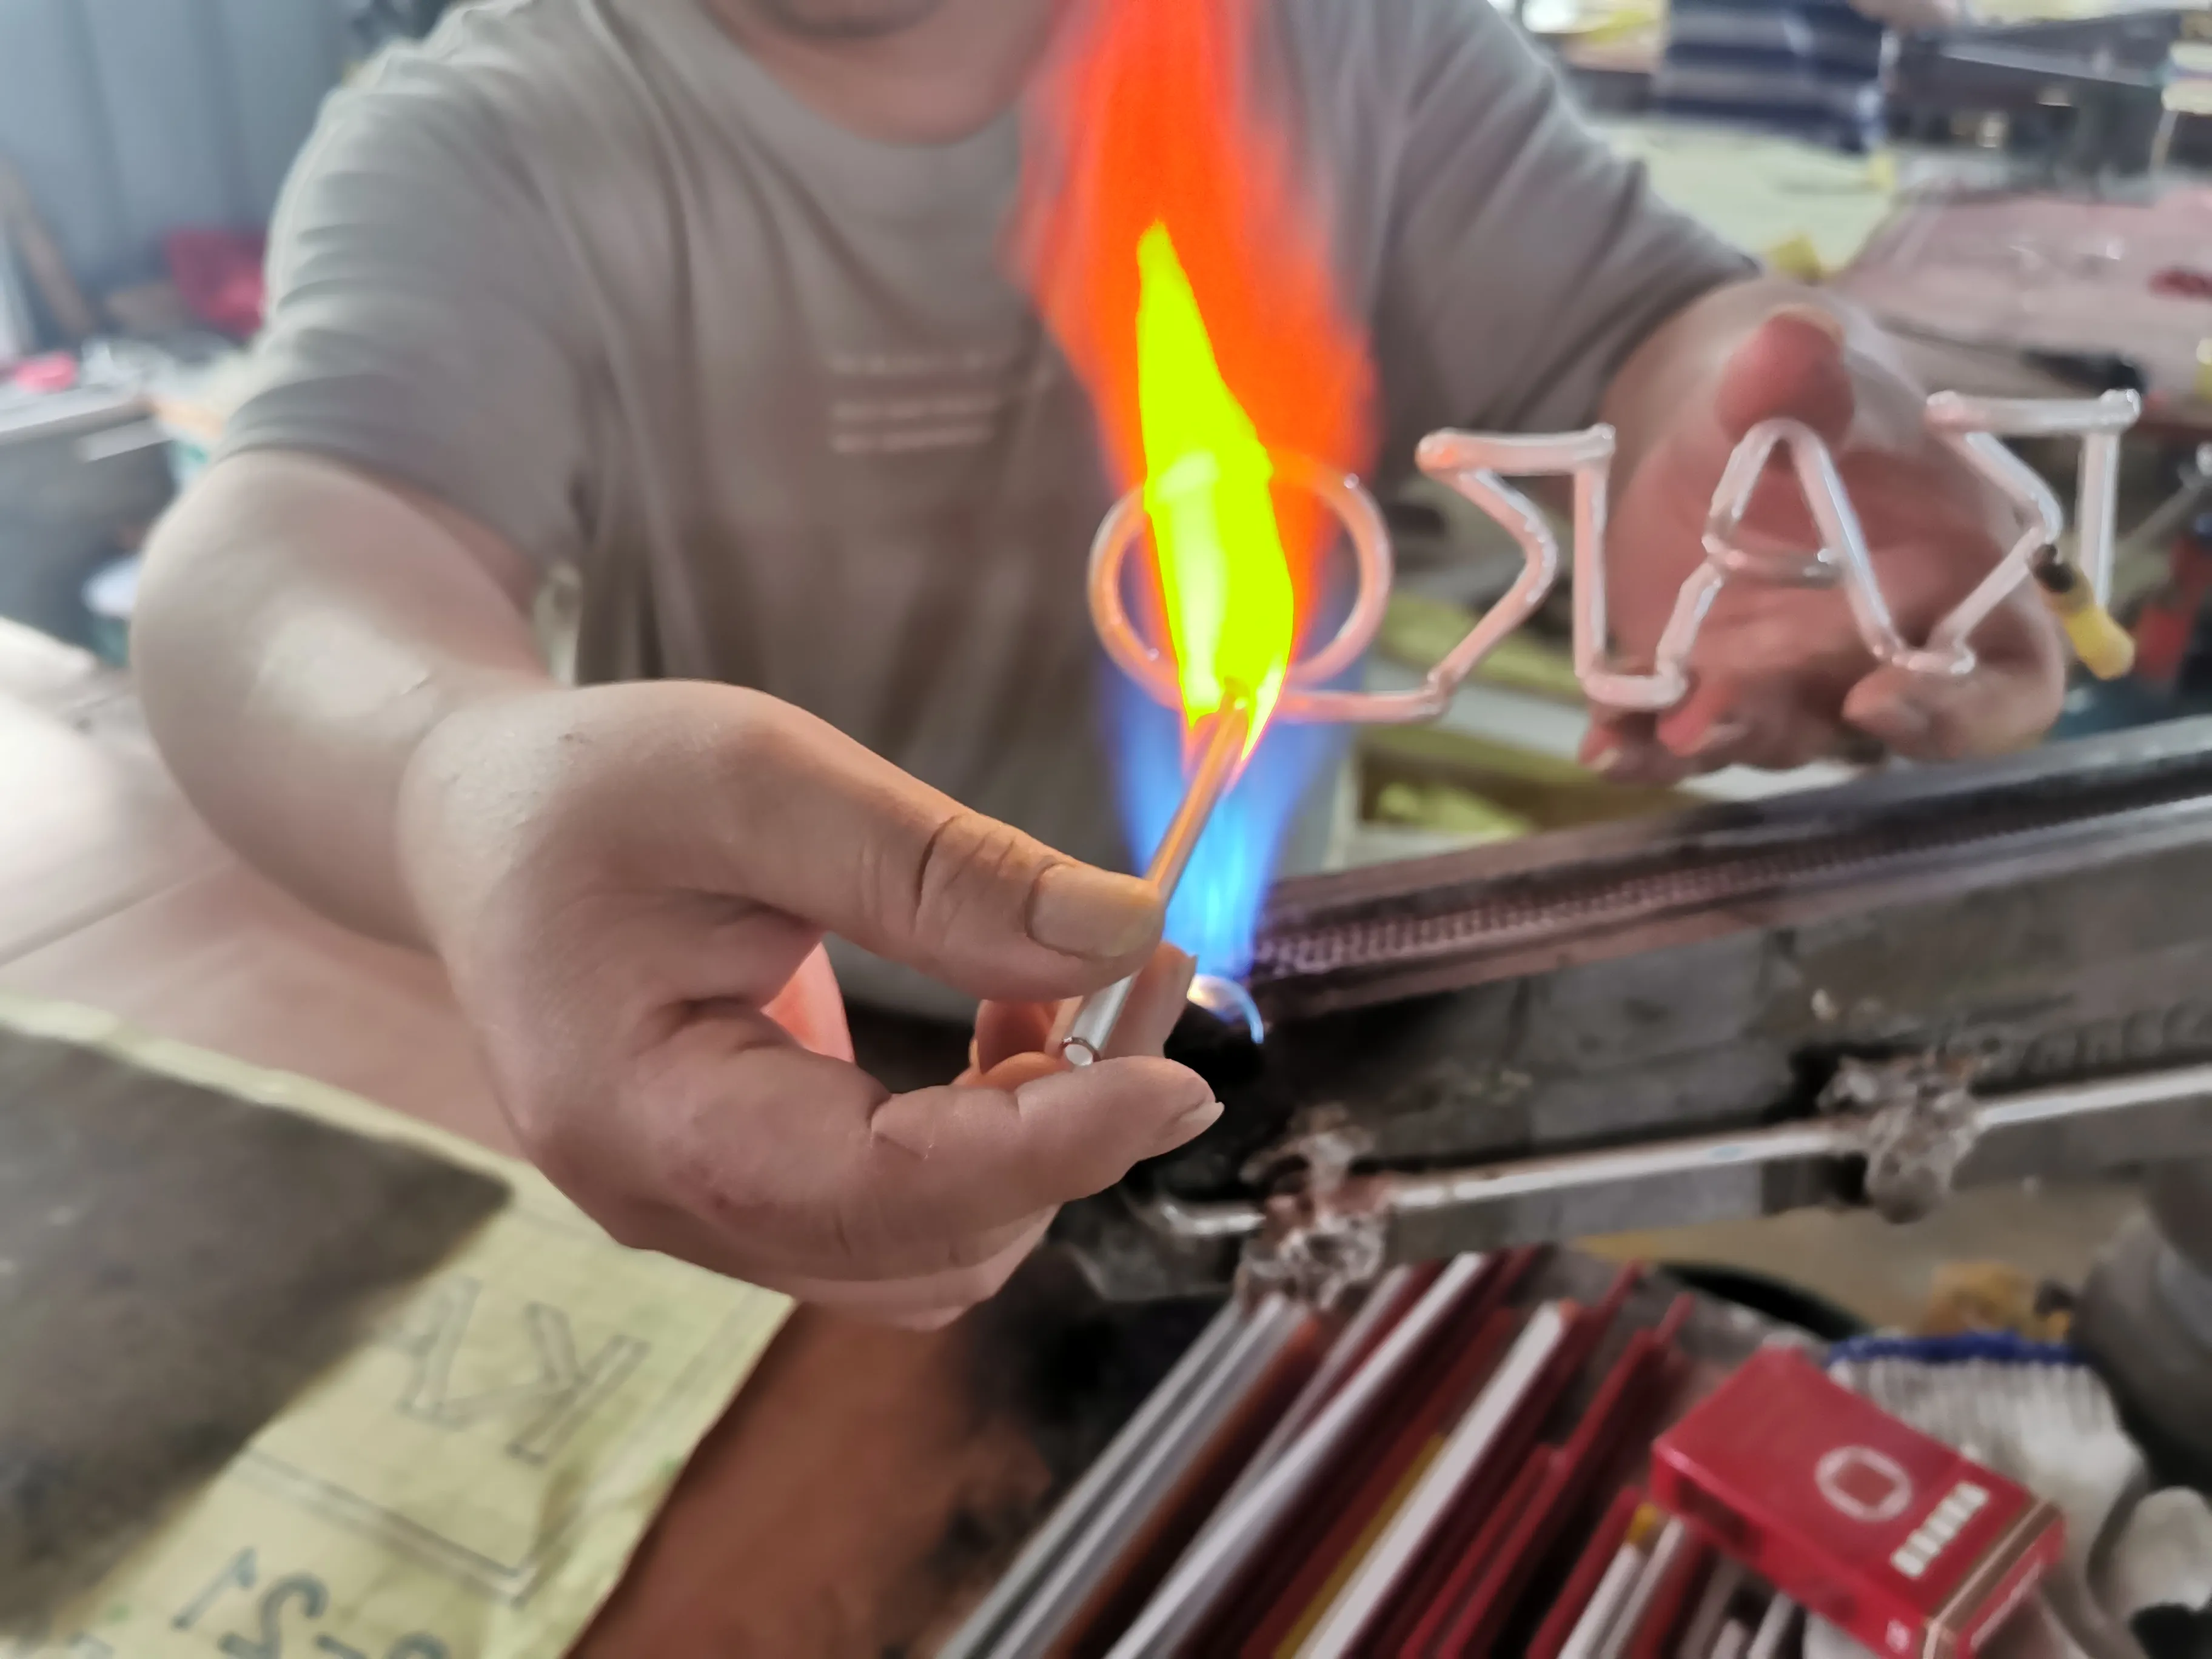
[(1421, 1473)]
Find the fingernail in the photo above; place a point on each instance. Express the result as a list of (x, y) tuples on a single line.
[(1606, 761), (1817, 317), (1902, 723), (1721, 734), (1083, 912), (1186, 1128)]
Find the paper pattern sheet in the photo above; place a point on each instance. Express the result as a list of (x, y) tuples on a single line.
[(468, 1485)]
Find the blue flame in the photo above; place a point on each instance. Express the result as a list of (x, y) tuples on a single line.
[(1215, 913)]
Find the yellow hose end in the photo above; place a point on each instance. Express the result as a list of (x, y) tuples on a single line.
[(2104, 647), (1797, 258)]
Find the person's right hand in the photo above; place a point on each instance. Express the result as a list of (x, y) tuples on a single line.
[(620, 878)]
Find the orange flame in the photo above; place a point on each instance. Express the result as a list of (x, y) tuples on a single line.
[(1183, 273)]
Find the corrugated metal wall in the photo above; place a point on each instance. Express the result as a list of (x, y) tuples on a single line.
[(130, 118)]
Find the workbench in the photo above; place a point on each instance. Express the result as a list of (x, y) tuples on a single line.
[(865, 1485)]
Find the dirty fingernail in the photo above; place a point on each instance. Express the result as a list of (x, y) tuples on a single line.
[(1083, 912), (1720, 735), (1186, 1128)]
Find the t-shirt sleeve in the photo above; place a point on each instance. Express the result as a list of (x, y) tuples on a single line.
[(417, 325), (1525, 259)]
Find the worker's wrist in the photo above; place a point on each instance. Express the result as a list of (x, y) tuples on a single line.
[(440, 784)]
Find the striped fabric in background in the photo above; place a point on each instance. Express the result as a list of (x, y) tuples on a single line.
[(1811, 69)]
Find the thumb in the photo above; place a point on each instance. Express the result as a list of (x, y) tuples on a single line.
[(823, 830), (1790, 367)]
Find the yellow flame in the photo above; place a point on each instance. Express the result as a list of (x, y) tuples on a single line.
[(1231, 613)]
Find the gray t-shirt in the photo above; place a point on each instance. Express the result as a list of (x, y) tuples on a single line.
[(582, 268)]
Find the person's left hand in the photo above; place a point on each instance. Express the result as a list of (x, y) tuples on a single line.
[(1779, 675)]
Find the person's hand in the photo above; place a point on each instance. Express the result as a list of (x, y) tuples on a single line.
[(620, 880), (1780, 677)]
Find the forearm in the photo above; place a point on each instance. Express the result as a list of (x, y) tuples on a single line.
[(301, 629)]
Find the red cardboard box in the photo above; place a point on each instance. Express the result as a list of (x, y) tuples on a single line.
[(1911, 1548)]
